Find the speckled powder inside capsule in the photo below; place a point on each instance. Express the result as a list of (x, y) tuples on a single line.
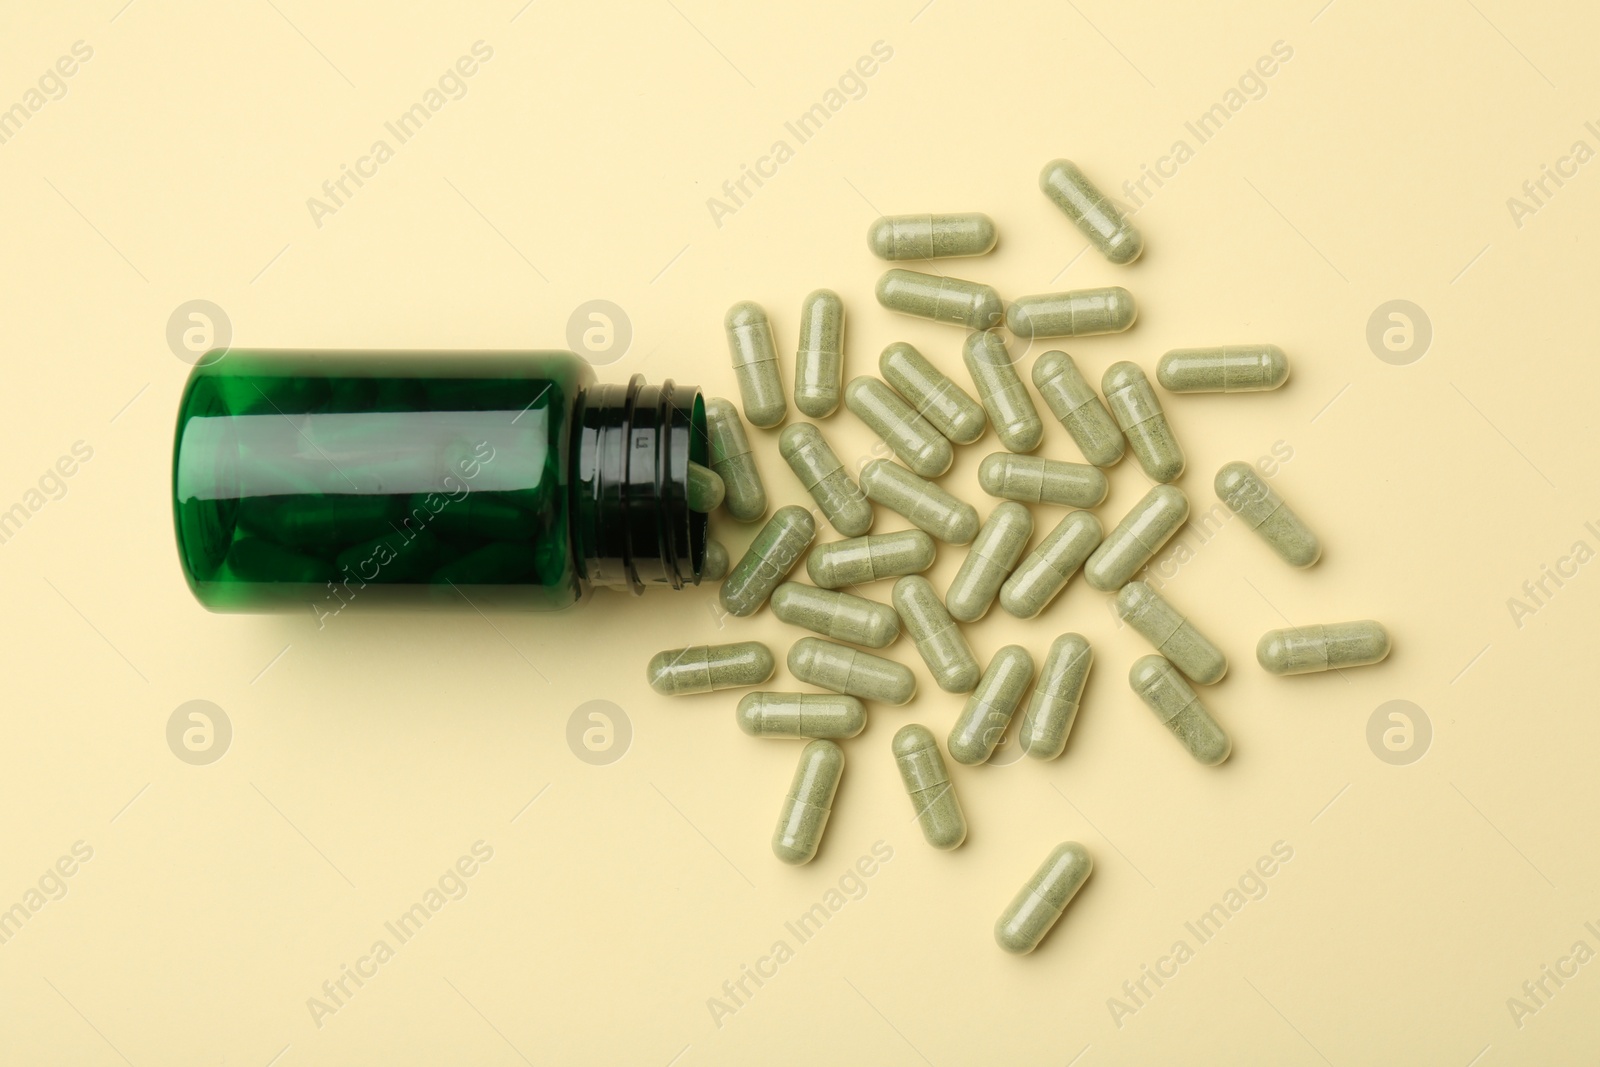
[(755, 364), (1004, 397), (731, 458), (950, 300), (896, 237), (819, 470), (932, 394), (770, 557), (706, 668), (819, 360), (859, 560)]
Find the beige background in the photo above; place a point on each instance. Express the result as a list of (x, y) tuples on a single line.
[(367, 757)]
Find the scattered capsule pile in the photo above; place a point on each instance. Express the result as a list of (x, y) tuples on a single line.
[(921, 414)]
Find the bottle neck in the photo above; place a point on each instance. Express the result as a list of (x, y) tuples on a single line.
[(630, 452)]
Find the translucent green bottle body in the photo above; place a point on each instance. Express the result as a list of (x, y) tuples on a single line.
[(504, 480)]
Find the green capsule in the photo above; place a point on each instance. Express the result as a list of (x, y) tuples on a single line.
[(1323, 647), (851, 672), (1144, 424), (896, 237), (1174, 636), (398, 557), (715, 567), (500, 563), (1045, 571), (1056, 696), (994, 552), (258, 559), (705, 488), (988, 711), (819, 362), (910, 436), (928, 784), (928, 296), (770, 557), (734, 462), (477, 515), (1037, 480), (706, 668), (801, 715), (810, 800), (927, 506), (939, 640), (1096, 217), (1074, 403), (1228, 369), (1005, 398), (314, 520), (1039, 904), (1147, 526), (932, 394), (1248, 495), (819, 470), (1078, 313), (1163, 689), (841, 616), (755, 364), (866, 559)]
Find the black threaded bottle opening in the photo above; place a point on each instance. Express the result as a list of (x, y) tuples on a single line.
[(631, 522)]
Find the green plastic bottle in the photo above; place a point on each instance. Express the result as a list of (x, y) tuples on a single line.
[(474, 479)]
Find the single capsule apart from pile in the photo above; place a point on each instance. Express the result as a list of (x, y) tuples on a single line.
[(1037, 480), (755, 364), (768, 560), (1078, 313), (1079, 409), (951, 300), (706, 668), (988, 711), (989, 561), (841, 616), (1174, 636), (1040, 902), (1054, 704), (810, 801), (932, 394), (1176, 706), (801, 715), (705, 488), (928, 784), (927, 506), (734, 462), (1248, 495), (866, 559), (895, 237), (819, 361), (1147, 526), (1005, 399), (910, 436), (1045, 571), (1228, 369), (1143, 423), (1096, 217), (851, 672), (1323, 647), (938, 639), (819, 470)]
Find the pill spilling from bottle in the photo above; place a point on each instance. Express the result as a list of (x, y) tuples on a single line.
[(332, 480), (924, 413)]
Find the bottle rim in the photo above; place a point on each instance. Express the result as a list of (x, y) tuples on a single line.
[(633, 527)]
